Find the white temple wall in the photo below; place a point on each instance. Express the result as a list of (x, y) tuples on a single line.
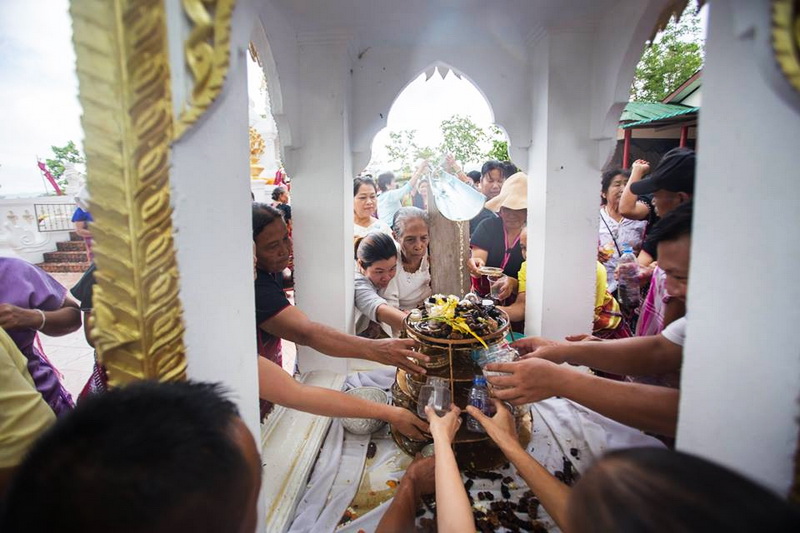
[(564, 188), (212, 230), (741, 370), (322, 181)]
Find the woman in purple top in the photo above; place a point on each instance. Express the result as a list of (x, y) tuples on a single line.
[(32, 301)]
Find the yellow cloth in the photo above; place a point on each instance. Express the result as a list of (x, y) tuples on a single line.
[(522, 277), (24, 415), (606, 308)]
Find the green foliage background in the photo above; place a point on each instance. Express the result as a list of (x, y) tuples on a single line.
[(68, 153), (673, 57), (461, 137)]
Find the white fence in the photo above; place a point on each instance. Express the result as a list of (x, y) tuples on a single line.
[(26, 234)]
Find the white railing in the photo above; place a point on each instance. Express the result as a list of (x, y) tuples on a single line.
[(19, 226)]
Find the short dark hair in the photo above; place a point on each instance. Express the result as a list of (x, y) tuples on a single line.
[(490, 165), (404, 214), (384, 180), (277, 192), (673, 226), (374, 247), (263, 216), (474, 175), (146, 457), (647, 490), (509, 169), (358, 182), (608, 176)]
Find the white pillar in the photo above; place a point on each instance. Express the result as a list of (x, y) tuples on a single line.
[(322, 199), (213, 239), (741, 369), (563, 188)]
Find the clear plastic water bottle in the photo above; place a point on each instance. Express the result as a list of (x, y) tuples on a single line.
[(479, 398), (628, 278)]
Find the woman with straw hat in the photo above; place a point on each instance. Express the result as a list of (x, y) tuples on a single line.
[(496, 241)]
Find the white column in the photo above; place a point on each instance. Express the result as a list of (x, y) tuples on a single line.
[(563, 188), (322, 199), (741, 369), (213, 239)]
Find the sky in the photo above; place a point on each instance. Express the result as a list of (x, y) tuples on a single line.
[(38, 88)]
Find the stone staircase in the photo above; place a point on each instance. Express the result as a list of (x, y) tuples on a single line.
[(71, 256)]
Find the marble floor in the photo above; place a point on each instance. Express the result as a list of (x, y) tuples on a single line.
[(70, 354)]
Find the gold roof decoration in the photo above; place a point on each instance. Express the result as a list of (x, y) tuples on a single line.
[(257, 145), (257, 149)]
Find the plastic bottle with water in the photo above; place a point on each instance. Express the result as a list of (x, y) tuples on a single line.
[(628, 278), (479, 398)]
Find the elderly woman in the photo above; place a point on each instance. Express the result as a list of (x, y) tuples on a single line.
[(31, 301), (412, 284), (616, 230), (365, 201), (280, 201), (496, 241)]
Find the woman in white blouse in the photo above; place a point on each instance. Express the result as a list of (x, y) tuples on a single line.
[(615, 230), (392, 279), (365, 202), (412, 284)]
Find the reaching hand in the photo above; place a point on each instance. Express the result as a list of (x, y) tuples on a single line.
[(501, 427), (409, 424), (531, 344), (443, 428), (451, 163), (530, 380), (423, 166), (639, 168), (581, 337), (421, 474), (13, 317), (604, 253), (507, 287), (396, 352), (474, 265)]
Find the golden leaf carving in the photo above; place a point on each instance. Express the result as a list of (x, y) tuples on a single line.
[(207, 53), (124, 77), (786, 38)]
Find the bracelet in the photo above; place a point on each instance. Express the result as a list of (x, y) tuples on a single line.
[(44, 319)]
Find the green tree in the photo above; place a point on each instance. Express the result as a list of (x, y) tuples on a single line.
[(499, 149), (463, 138), (404, 150), (68, 153), (670, 59)]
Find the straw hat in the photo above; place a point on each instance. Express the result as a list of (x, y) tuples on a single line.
[(513, 195)]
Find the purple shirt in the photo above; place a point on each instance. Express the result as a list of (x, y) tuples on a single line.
[(26, 286)]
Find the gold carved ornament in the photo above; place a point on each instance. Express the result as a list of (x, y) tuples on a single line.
[(124, 77), (207, 52), (786, 38)]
